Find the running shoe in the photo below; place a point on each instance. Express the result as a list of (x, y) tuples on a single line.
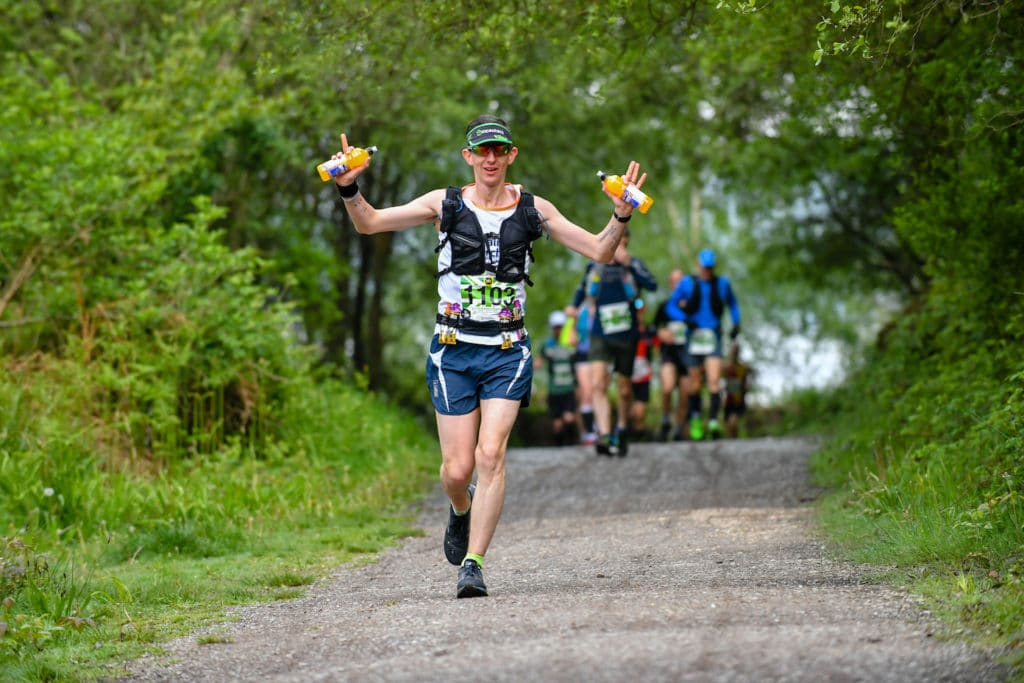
[(621, 442), (714, 429), (604, 445), (471, 581), (666, 431), (456, 536), (696, 429)]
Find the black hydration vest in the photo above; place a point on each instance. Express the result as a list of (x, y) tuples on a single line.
[(693, 303), (469, 243)]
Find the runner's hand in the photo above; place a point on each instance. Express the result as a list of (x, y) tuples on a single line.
[(348, 177), (631, 176)]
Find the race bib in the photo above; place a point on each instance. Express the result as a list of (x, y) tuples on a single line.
[(485, 295), (703, 342), (615, 317), (677, 328), (562, 374)]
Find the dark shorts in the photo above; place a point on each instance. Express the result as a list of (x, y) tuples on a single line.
[(461, 375), (674, 354), (642, 392), (619, 353), (696, 361), (560, 404), (735, 409)]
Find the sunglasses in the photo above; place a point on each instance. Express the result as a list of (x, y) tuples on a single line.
[(499, 149)]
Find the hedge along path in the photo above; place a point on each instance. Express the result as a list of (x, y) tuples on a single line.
[(680, 562)]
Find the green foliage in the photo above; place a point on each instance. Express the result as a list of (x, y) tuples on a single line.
[(928, 458), (138, 541), (171, 269), (41, 600)]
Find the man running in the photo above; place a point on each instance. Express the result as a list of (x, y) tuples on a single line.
[(699, 302), (479, 368), (609, 292), (672, 373), (561, 380), (643, 372), (736, 375)]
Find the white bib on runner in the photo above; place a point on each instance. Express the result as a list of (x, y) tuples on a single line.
[(482, 298), (677, 328), (615, 317), (703, 342)]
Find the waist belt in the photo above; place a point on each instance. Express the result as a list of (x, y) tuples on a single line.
[(470, 326)]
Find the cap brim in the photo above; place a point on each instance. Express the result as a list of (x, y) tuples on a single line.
[(489, 133)]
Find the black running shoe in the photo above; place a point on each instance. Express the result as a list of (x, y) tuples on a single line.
[(471, 581), (622, 443), (604, 445), (456, 536)]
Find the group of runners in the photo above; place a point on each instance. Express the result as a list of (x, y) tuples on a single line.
[(479, 367), (605, 333)]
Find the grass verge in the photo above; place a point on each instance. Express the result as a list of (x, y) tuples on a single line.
[(101, 564)]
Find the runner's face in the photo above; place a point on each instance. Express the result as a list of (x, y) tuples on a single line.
[(489, 168)]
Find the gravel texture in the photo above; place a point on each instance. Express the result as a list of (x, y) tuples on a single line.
[(680, 562)]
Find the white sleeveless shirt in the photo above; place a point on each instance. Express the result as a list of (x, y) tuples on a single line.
[(482, 298)]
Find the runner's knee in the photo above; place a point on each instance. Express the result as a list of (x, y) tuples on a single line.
[(456, 473), (490, 460)]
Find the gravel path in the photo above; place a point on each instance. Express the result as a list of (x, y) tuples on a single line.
[(681, 562)]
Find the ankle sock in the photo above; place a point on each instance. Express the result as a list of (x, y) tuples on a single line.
[(587, 413), (716, 404), (479, 559), (695, 406)]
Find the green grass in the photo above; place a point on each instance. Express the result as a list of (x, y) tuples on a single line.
[(932, 486), (101, 562)]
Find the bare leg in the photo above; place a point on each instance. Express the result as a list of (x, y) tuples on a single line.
[(458, 436), (600, 380), (625, 386), (683, 408), (584, 398), (713, 365), (497, 417), (477, 441), (669, 379)]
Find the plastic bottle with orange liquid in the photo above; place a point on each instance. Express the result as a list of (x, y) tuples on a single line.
[(627, 191), (354, 158)]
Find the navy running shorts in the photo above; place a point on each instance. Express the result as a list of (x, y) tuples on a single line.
[(560, 404), (642, 392), (674, 354), (697, 360), (619, 353), (461, 375)]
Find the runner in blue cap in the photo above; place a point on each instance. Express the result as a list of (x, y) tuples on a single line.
[(699, 302)]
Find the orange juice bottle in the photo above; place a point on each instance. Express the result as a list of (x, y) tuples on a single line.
[(627, 191), (354, 158)]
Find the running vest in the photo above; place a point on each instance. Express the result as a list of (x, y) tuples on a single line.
[(469, 243), (693, 303)]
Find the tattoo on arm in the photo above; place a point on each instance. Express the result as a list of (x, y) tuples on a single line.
[(613, 231), (357, 207)]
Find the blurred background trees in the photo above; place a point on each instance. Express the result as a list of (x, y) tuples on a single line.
[(165, 235)]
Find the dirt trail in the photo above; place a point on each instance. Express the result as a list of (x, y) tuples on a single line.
[(681, 562)]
